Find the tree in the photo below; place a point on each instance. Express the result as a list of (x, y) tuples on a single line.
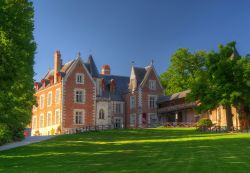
[(17, 49), (225, 81), (183, 69)]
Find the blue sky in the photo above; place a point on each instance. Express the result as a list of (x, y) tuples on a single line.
[(117, 32)]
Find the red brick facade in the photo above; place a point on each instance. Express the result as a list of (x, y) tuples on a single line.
[(141, 110), (69, 104)]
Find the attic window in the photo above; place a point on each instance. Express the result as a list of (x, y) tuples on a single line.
[(79, 78), (152, 84)]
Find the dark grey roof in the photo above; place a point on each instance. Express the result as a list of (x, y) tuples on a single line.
[(139, 73), (235, 53), (121, 86), (90, 65), (175, 96), (63, 70)]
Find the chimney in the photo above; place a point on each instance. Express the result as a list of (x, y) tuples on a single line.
[(57, 64), (106, 69)]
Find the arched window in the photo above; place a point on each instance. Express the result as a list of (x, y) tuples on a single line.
[(101, 114)]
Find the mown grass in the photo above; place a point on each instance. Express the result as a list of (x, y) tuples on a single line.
[(146, 151)]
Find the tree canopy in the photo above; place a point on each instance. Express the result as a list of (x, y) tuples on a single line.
[(17, 49), (182, 71)]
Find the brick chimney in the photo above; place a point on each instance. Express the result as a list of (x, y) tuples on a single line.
[(105, 69), (57, 64)]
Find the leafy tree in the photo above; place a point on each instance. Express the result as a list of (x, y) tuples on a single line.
[(183, 69), (17, 49), (225, 81)]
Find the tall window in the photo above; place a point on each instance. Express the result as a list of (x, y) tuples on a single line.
[(34, 122), (101, 114), (79, 117), (49, 119), (41, 125), (152, 101), (79, 78), (57, 96), (42, 101), (132, 102), (118, 108), (79, 96), (132, 120), (49, 101), (152, 84), (57, 116)]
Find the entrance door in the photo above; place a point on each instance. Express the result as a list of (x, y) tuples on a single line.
[(117, 123), (180, 117), (144, 118)]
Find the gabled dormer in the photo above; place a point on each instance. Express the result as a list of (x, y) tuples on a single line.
[(151, 80)]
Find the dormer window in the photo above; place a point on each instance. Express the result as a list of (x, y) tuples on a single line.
[(79, 78), (152, 84)]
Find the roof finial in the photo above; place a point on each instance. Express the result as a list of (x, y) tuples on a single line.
[(152, 62), (79, 54)]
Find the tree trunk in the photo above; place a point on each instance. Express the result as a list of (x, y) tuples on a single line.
[(229, 118)]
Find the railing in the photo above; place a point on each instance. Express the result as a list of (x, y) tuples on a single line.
[(219, 129), (88, 128), (179, 124)]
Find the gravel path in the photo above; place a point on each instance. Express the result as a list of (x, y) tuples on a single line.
[(26, 141)]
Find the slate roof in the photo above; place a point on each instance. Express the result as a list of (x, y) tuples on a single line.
[(121, 86), (64, 69), (90, 65), (235, 53), (175, 96), (140, 74)]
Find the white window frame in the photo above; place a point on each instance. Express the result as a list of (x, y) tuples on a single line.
[(132, 102), (79, 76), (83, 95), (57, 119), (42, 100), (41, 123), (155, 102), (132, 123), (49, 124), (57, 95), (49, 98), (152, 84), (34, 122), (83, 116)]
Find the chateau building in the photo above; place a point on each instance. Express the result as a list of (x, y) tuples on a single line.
[(75, 95)]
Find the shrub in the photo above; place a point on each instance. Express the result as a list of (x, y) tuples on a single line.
[(5, 134), (205, 122)]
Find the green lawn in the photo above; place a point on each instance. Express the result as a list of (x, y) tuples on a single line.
[(146, 151)]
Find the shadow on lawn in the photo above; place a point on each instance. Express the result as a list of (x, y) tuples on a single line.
[(80, 153)]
